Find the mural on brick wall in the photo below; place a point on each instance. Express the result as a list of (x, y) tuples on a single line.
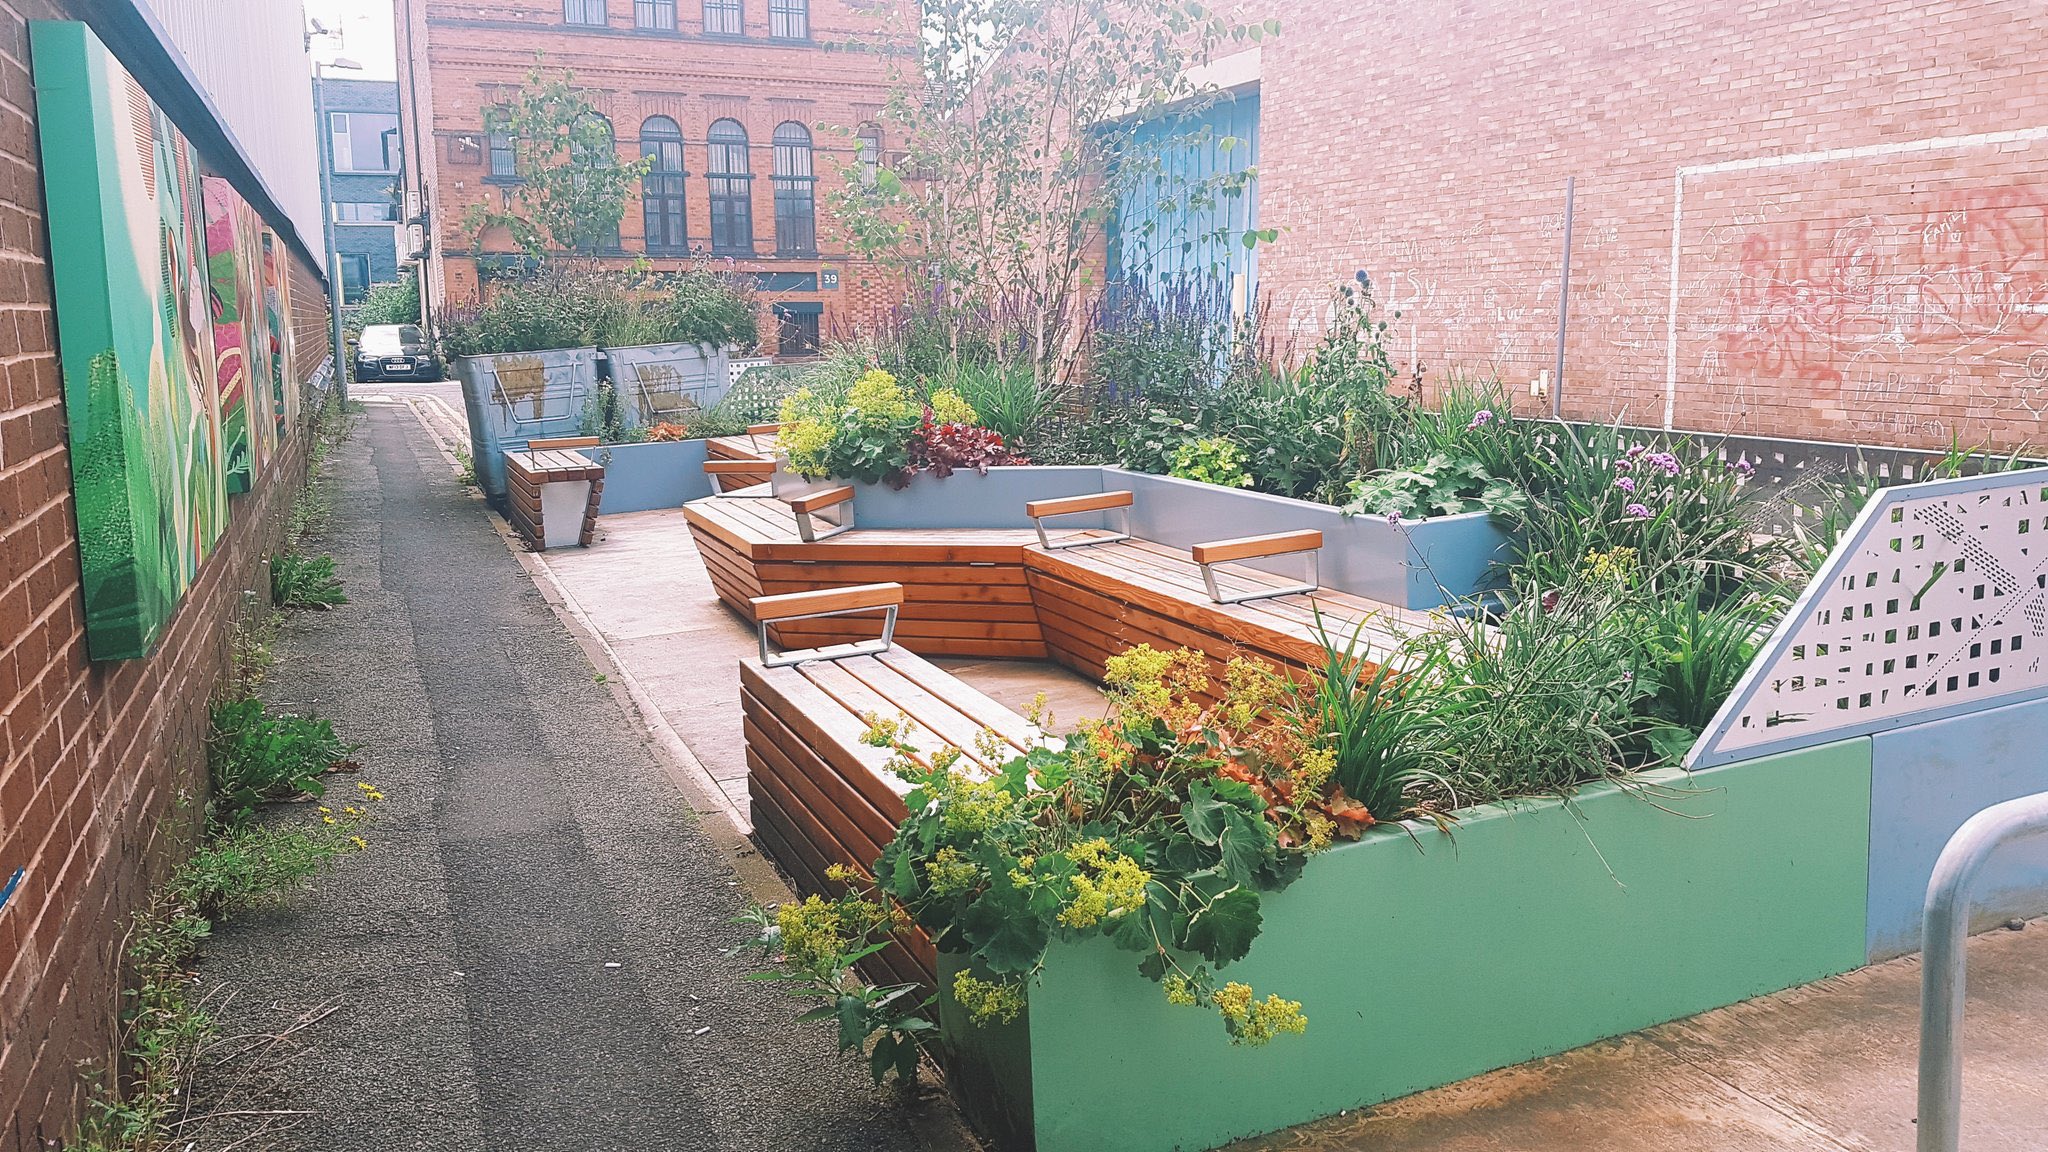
[(277, 314), (241, 333), (128, 255)]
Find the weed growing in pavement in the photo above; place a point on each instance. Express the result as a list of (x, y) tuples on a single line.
[(168, 1031), (256, 758), (305, 582)]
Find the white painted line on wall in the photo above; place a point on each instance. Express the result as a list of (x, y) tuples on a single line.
[(1788, 160)]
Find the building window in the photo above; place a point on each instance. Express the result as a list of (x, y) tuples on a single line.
[(796, 329), (364, 142), (657, 15), (586, 12), (365, 212), (796, 226), (868, 153), (661, 190), (732, 183), (789, 19), (355, 278), (723, 18), (591, 144), (504, 158)]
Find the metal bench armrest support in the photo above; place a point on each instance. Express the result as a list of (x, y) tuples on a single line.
[(820, 605)]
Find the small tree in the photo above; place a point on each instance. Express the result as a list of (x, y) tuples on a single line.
[(572, 187), (1029, 123)]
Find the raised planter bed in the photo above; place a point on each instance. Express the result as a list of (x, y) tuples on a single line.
[(655, 474), (513, 397), (1421, 958)]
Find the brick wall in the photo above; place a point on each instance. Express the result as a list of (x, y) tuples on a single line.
[(102, 767), (1862, 251), (478, 55)]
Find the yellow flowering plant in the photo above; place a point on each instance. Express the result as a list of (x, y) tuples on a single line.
[(1145, 827), (879, 432)]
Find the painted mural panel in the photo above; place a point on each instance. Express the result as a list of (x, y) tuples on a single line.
[(277, 310), (234, 261), (128, 254)]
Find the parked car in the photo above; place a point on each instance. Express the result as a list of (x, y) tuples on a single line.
[(395, 352)]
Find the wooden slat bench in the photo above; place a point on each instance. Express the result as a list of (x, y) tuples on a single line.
[(964, 588), (753, 447), (553, 491), (820, 795), (1097, 599)]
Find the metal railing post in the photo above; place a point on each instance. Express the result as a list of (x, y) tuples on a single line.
[(1945, 931)]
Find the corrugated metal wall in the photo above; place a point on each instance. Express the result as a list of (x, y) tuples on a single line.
[(250, 56), (1177, 228)]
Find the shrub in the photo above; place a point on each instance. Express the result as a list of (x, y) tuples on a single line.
[(397, 303), (569, 303), (1010, 402), (301, 581), (254, 757), (1212, 460), (1442, 485), (864, 438)]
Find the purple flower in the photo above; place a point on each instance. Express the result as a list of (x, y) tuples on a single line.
[(1623, 465), (1628, 677), (1744, 468), (1394, 519), (1480, 419), (1626, 484), (1636, 511), (1664, 460), (1636, 450)]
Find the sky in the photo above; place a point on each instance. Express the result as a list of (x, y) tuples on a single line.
[(365, 36)]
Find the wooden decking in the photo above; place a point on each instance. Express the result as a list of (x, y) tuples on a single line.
[(1095, 602), (964, 589), (737, 448), (820, 795)]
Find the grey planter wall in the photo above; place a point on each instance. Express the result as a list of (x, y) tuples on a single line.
[(670, 382), (639, 477), (1417, 564), (513, 397)]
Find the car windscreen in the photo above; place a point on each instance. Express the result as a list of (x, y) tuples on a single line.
[(391, 339)]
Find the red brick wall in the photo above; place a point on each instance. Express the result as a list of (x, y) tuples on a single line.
[(102, 767), (1893, 289), (478, 54)]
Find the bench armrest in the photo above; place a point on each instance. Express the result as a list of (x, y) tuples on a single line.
[(1306, 541), (763, 429), (1119, 502), (739, 467), (562, 442), (810, 511), (1253, 547), (828, 602)]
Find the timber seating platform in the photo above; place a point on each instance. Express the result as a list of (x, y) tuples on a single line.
[(964, 588), (821, 795), (753, 447), (553, 491)]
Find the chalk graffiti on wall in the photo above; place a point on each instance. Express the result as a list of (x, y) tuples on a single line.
[(128, 256)]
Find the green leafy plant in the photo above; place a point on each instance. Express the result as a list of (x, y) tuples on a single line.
[(306, 582), (1158, 828), (1009, 401), (1696, 652), (866, 437), (815, 946), (1379, 720), (254, 757), (1439, 486), (1211, 460), (396, 303)]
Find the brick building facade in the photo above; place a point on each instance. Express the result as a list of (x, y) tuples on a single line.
[(753, 110), (1824, 220), (102, 765)]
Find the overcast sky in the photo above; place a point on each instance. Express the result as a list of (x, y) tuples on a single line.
[(365, 36)]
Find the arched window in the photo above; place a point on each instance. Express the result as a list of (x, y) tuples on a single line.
[(732, 182), (796, 228), (661, 190), (591, 144)]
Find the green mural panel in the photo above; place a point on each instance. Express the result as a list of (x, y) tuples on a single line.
[(1532, 928), (128, 256)]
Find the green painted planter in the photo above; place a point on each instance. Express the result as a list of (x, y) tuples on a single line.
[(1534, 927)]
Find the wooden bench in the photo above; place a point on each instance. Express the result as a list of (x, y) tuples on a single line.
[(821, 796), (1096, 601), (964, 588), (553, 492), (751, 448)]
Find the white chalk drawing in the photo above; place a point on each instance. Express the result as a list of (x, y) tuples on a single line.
[(1934, 603)]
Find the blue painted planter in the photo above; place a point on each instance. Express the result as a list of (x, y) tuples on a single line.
[(513, 397), (640, 477)]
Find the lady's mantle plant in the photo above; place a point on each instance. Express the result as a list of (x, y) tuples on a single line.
[(878, 432)]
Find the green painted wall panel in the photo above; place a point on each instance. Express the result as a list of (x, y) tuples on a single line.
[(1534, 928)]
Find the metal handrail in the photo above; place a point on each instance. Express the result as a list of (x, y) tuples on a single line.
[(1945, 931)]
